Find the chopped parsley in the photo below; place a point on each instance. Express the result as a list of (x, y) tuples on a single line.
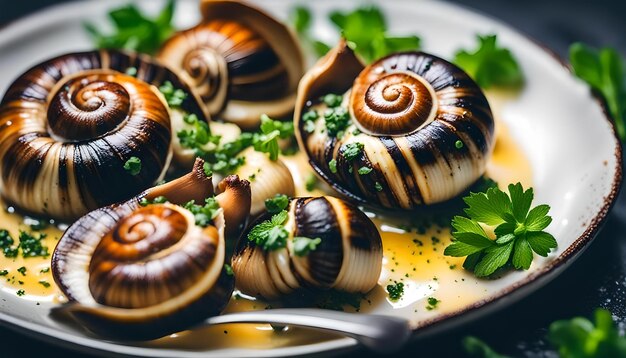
[(365, 170), (20, 292), (4, 272), (203, 214), (277, 204), (173, 96), (303, 245), (519, 231), (45, 270), (271, 131), (22, 270), (310, 182), (395, 291), (131, 71), (458, 144), (228, 269), (158, 200), (271, 234), (378, 187), (351, 150), (432, 303), (332, 100), (45, 284), (332, 165), (490, 65), (310, 115), (133, 166), (337, 120)]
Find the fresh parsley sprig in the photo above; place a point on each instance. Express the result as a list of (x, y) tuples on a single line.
[(271, 234), (518, 229), (489, 64), (203, 214), (133, 30), (277, 204), (603, 70), (364, 28), (271, 130)]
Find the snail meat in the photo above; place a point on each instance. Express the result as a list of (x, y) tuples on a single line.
[(347, 254), (133, 271), (69, 125), (241, 62), (410, 129)]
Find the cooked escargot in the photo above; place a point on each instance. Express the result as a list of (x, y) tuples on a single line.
[(411, 129), (267, 178), (141, 271), (241, 61), (69, 125), (347, 255)]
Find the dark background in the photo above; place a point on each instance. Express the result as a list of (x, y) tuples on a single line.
[(596, 279)]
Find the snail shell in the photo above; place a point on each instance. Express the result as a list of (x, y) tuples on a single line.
[(134, 272), (425, 126), (68, 126), (267, 178), (349, 257), (241, 61)]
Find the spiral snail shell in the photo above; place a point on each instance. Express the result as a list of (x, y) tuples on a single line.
[(417, 130), (348, 256), (142, 272), (241, 61), (68, 126)]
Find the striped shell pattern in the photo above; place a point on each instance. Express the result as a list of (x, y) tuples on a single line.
[(68, 126), (242, 62), (348, 257), (423, 127)]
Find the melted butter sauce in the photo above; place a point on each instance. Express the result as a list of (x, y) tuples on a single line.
[(413, 255)]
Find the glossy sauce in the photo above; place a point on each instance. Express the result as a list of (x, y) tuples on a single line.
[(413, 255)]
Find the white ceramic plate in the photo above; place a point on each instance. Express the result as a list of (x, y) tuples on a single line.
[(561, 128)]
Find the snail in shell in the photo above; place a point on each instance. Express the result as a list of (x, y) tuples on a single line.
[(69, 125), (267, 178), (321, 242), (410, 129), (135, 271), (240, 61)]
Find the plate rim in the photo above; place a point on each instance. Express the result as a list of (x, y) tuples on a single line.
[(537, 279)]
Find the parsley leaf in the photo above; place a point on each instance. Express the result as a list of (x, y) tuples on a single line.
[(351, 150), (133, 166), (133, 30), (518, 229), (580, 338), (603, 70), (203, 214), (173, 96), (490, 65), (395, 291), (271, 131), (303, 245), (277, 204), (31, 245), (311, 182), (271, 234), (336, 120)]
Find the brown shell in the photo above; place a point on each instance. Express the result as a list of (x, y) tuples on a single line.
[(241, 61), (133, 272), (68, 126), (425, 127), (348, 258)]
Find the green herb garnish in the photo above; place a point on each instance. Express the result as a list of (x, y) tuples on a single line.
[(336, 120), (395, 291), (173, 96), (432, 303), (303, 245), (203, 214), (4, 272), (332, 165), (603, 70), (31, 245), (229, 270), (22, 270), (378, 187), (365, 170), (332, 100), (271, 131), (45, 270), (133, 30), (271, 234), (490, 65), (277, 204), (45, 284), (133, 166), (311, 182), (20, 292), (458, 144), (351, 150), (518, 231), (479, 349)]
